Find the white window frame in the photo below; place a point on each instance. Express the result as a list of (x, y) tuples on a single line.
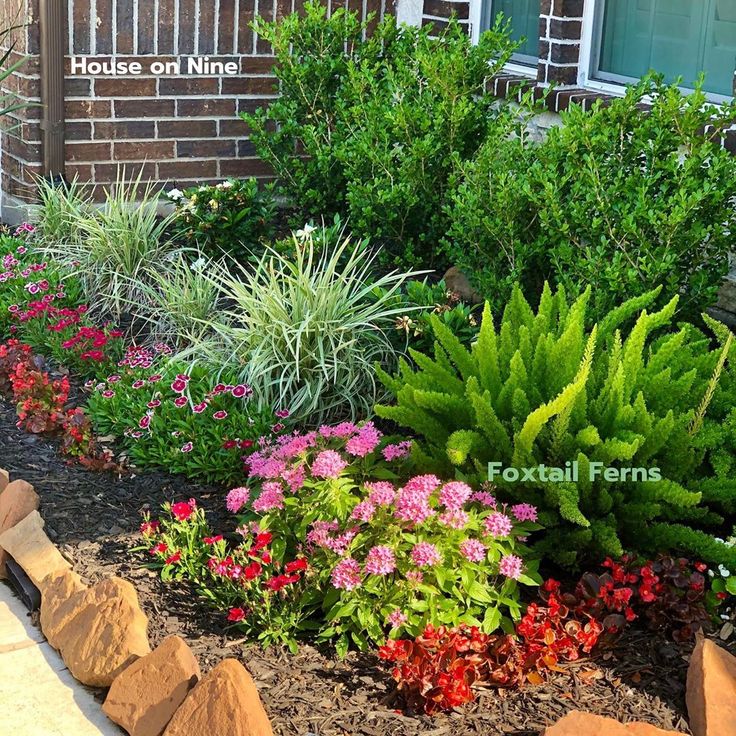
[(589, 50)]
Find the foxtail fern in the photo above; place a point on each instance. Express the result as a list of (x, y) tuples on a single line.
[(543, 389)]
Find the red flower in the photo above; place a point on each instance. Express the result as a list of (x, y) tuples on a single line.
[(296, 565), (158, 549), (252, 571), (213, 540), (279, 582), (149, 527), (173, 559), (236, 614), (182, 511), (262, 540)]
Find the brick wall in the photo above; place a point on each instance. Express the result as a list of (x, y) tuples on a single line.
[(20, 138), (179, 129)]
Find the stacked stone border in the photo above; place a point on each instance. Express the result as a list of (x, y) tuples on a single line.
[(101, 633)]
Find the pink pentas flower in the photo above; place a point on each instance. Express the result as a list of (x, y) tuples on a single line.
[(320, 533), (380, 560), (511, 566), (415, 577), (454, 495), (271, 497), (328, 464), (340, 431), (424, 484), (484, 498), (381, 493), (425, 554), (364, 511), (364, 441), (454, 519), (294, 477), (396, 451), (236, 499), (498, 525), (524, 512), (473, 550), (397, 618), (346, 574)]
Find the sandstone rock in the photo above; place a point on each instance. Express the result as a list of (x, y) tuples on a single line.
[(711, 690), (577, 723), (29, 546), (224, 703), (458, 282), (145, 696), (60, 602), (17, 500), (103, 632)]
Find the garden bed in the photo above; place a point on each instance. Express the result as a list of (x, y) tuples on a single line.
[(94, 518)]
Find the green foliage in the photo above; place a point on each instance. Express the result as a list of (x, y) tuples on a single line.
[(421, 300), (544, 389), (118, 247), (192, 426), (8, 102), (619, 196), (233, 217), (64, 206), (374, 126), (304, 330)]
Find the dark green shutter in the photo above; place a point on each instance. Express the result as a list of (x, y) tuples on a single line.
[(679, 38)]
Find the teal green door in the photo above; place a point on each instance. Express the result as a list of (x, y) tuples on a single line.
[(679, 38), (524, 16)]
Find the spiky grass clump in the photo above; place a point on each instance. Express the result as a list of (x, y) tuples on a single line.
[(304, 330), (119, 247), (64, 206)]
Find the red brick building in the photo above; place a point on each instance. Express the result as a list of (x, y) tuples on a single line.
[(185, 129)]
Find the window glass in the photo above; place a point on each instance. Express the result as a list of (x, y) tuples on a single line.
[(524, 17), (679, 38)]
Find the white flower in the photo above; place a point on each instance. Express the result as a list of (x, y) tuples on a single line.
[(725, 572), (175, 194), (305, 232), (226, 185)]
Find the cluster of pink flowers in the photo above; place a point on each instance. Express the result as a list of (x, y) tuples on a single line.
[(323, 454), (236, 499)]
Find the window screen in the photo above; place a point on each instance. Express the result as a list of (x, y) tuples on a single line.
[(679, 38), (524, 17)]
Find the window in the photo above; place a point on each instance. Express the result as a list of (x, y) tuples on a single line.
[(679, 38), (524, 17)]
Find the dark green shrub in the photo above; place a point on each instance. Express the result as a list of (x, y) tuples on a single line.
[(375, 129), (232, 217), (423, 300), (546, 390), (622, 197)]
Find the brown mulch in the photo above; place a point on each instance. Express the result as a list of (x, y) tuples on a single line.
[(94, 519)]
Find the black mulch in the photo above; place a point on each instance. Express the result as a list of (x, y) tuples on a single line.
[(94, 519)]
